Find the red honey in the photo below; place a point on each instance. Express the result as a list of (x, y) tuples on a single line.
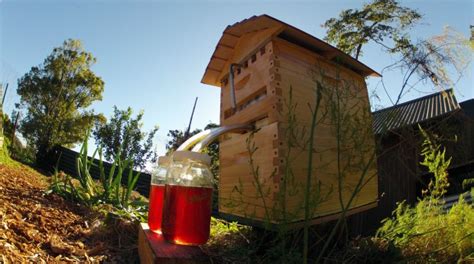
[(187, 214), (155, 209)]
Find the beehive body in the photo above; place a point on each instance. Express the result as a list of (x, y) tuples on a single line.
[(278, 80), (283, 73)]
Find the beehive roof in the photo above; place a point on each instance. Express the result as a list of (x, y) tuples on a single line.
[(258, 30)]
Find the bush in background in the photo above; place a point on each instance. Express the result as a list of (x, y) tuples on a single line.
[(122, 135)]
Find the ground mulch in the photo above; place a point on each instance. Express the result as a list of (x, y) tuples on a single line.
[(37, 227)]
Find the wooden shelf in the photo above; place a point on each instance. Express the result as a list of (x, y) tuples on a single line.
[(152, 248)]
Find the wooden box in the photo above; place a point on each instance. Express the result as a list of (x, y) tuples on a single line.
[(282, 72)]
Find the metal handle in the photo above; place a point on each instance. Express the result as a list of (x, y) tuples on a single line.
[(232, 88)]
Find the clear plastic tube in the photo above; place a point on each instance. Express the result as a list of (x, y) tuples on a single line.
[(218, 132), (195, 139)]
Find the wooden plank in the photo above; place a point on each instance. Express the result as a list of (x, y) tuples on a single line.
[(285, 48), (223, 51), (235, 172), (296, 225), (152, 248), (324, 171), (264, 108), (228, 40), (216, 64), (332, 217)]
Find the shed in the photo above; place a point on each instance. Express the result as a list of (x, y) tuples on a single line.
[(401, 177)]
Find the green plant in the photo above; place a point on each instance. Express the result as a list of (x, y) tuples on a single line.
[(230, 242), (107, 189), (426, 232), (434, 159), (309, 174)]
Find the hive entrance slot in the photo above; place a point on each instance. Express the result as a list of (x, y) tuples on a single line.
[(257, 96)]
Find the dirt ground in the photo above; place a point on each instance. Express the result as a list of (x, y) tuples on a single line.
[(37, 227)]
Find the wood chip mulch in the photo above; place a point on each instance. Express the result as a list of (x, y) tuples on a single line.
[(44, 228)]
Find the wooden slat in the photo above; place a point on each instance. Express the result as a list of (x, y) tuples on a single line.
[(229, 40), (223, 51)]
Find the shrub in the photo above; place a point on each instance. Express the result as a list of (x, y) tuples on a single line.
[(425, 232)]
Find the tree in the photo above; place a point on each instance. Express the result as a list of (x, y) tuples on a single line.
[(376, 21), (441, 59), (123, 135), (387, 24), (472, 37), (56, 95)]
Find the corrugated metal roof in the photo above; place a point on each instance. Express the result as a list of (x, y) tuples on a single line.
[(450, 201), (415, 111)]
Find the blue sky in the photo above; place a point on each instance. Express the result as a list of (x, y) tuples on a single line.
[(152, 54)]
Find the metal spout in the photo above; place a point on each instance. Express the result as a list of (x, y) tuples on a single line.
[(215, 133)]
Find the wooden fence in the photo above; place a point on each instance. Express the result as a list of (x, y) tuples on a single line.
[(65, 160)]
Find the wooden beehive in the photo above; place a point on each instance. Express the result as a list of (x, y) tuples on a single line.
[(281, 71)]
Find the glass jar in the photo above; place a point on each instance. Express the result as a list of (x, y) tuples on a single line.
[(188, 199), (157, 191)]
